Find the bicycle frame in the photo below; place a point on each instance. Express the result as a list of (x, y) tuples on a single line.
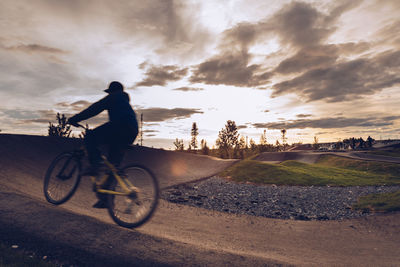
[(125, 184)]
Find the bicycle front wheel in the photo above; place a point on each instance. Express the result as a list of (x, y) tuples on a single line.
[(134, 209), (62, 178)]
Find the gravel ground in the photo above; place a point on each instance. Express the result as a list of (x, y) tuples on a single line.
[(282, 202)]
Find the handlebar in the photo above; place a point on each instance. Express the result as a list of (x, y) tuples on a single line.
[(78, 125)]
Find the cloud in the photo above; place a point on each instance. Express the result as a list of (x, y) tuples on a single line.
[(75, 106), (163, 114), (303, 115), (389, 33), (300, 25), (161, 75), (309, 58), (29, 116), (318, 56), (230, 69), (34, 48), (330, 123), (297, 25), (187, 89), (345, 80)]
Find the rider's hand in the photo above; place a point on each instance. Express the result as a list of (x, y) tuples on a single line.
[(72, 122)]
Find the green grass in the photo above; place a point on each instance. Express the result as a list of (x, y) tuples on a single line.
[(391, 153), (329, 170), (386, 202), (16, 257)]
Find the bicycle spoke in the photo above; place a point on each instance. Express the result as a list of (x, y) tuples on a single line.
[(62, 178), (137, 207)]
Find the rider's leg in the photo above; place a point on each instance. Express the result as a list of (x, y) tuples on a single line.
[(93, 139), (122, 138)]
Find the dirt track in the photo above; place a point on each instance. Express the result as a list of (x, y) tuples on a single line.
[(181, 235)]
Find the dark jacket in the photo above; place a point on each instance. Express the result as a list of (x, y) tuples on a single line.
[(119, 110)]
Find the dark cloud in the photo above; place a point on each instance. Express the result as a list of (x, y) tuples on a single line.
[(187, 89), (163, 114), (309, 58), (298, 25), (240, 37), (34, 48), (175, 21), (40, 117), (161, 75), (303, 115), (75, 106), (301, 25), (151, 131), (239, 127), (330, 123), (22, 76), (389, 33), (319, 56), (230, 69), (345, 80)]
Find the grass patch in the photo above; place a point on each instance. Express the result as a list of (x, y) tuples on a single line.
[(387, 170), (16, 257), (390, 153), (329, 170), (385, 202)]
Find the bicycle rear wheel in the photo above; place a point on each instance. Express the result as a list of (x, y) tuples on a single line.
[(62, 178), (135, 209)]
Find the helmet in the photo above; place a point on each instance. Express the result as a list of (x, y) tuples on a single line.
[(114, 87)]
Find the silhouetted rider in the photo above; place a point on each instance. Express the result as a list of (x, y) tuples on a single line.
[(118, 133)]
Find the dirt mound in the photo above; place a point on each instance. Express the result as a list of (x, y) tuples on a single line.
[(31, 155), (277, 157)]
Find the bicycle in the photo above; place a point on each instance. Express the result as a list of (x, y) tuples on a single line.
[(132, 196)]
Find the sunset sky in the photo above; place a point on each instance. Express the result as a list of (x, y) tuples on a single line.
[(329, 69)]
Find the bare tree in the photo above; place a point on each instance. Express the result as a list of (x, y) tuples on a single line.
[(179, 145), (62, 129), (83, 134)]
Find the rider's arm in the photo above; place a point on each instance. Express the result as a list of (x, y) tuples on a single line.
[(92, 110)]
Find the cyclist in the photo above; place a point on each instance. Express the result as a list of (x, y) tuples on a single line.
[(118, 133)]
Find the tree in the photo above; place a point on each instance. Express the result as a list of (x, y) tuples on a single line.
[(316, 144), (194, 133), (242, 143), (179, 146), (263, 138), (353, 143), (361, 143), (204, 148), (62, 129), (227, 138), (284, 139), (253, 145), (370, 141)]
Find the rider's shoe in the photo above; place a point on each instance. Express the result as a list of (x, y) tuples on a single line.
[(100, 204)]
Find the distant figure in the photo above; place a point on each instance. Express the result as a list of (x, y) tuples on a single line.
[(118, 133)]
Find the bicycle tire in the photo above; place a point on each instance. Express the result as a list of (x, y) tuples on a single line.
[(59, 188), (137, 210)]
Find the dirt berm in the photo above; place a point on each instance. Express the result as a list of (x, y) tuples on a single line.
[(176, 235)]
